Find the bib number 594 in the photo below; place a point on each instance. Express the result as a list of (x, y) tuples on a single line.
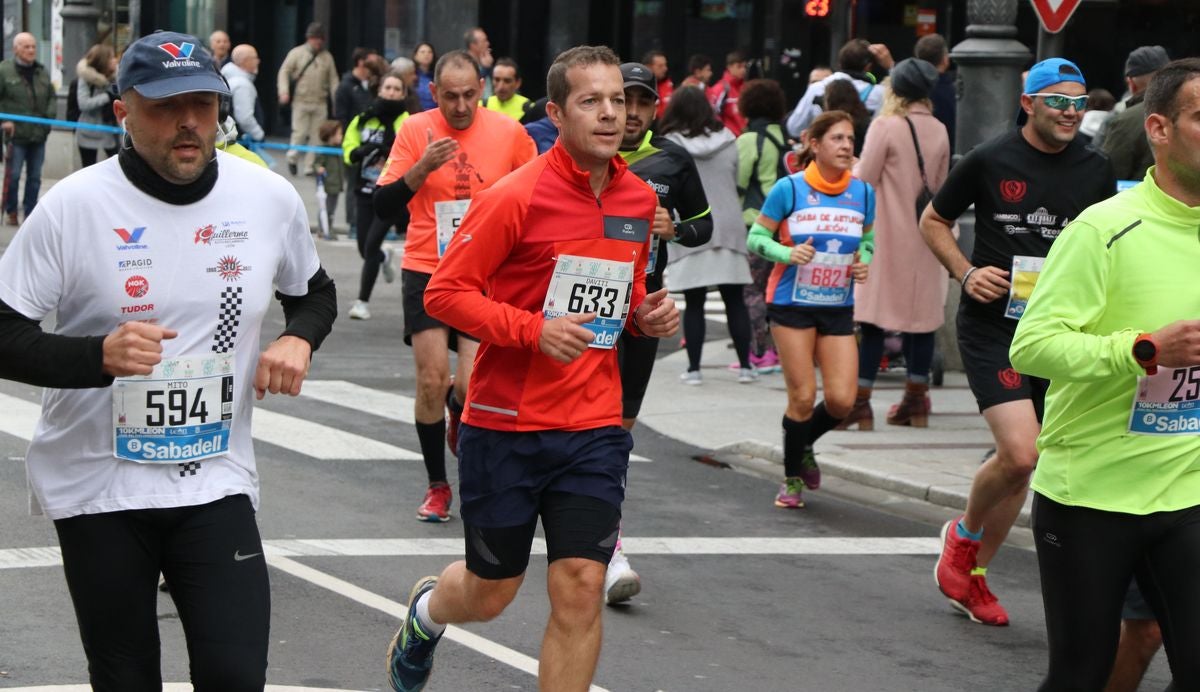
[(171, 407)]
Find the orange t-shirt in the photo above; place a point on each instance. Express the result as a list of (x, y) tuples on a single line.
[(492, 147)]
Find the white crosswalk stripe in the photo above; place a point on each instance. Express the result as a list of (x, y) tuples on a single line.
[(305, 436)]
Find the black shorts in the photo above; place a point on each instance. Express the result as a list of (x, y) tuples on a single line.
[(983, 342), (573, 480), (412, 289), (635, 358), (827, 321)]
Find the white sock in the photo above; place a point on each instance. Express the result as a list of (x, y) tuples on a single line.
[(428, 626)]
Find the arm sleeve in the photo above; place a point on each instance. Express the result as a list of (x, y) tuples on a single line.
[(32, 356), (284, 75), (341, 104), (331, 77), (456, 293), (525, 149), (404, 154), (311, 315), (958, 192), (761, 242), (1051, 341)]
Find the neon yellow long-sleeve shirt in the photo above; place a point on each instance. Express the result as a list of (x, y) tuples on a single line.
[(1125, 266)]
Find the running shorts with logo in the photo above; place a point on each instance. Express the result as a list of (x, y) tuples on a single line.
[(983, 343)]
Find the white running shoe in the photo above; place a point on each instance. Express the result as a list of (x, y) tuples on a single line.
[(389, 270), (747, 375), (360, 311), (621, 583), (692, 377)]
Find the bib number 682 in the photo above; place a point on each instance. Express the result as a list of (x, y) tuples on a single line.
[(171, 407), (593, 298)]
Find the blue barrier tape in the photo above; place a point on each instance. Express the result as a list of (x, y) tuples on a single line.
[(256, 147)]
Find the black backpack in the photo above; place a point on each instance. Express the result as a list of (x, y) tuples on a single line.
[(754, 194), (73, 101)]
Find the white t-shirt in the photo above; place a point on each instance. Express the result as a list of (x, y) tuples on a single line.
[(101, 252), (809, 106)]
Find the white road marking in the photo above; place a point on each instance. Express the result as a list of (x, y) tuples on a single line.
[(19, 417), (321, 441), (15, 558), (388, 405), (169, 687), (472, 641)]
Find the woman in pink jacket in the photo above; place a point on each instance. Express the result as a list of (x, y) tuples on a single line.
[(907, 291)]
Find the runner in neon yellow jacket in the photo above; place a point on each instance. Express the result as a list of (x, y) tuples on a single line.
[(1117, 271)]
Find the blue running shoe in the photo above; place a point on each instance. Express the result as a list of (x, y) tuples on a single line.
[(410, 653)]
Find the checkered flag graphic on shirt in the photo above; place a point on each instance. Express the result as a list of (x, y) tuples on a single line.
[(188, 467), (228, 319)]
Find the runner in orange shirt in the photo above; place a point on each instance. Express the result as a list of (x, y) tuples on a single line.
[(440, 160)]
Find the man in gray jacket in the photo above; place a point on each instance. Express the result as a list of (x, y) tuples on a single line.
[(25, 89), (240, 72), (1124, 137), (307, 81)]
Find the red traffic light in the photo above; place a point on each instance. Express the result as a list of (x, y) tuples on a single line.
[(816, 8)]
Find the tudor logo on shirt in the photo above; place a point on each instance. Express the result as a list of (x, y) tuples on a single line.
[(1012, 191), (131, 309), (132, 239), (229, 268), (137, 286)]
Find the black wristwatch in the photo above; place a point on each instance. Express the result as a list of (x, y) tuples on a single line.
[(1145, 352)]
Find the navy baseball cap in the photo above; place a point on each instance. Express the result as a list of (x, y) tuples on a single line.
[(635, 74), (165, 64)]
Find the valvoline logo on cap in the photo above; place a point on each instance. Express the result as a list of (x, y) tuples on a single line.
[(177, 51)]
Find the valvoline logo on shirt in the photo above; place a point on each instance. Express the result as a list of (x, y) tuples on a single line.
[(132, 239), (178, 51)]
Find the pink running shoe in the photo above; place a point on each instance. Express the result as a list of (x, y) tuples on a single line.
[(789, 496)]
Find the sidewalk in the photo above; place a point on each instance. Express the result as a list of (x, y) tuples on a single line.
[(740, 424)]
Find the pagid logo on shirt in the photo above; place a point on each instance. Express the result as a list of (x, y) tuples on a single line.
[(1012, 191), (131, 239), (229, 268)]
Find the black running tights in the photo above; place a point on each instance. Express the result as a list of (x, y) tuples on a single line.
[(735, 313), (212, 558), (1086, 558)]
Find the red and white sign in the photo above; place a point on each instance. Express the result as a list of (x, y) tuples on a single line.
[(1054, 14)]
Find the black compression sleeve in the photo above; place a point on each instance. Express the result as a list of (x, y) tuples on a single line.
[(391, 199), (695, 232), (311, 315), (33, 356)]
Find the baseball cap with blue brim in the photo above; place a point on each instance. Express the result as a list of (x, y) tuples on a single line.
[(165, 64), (1047, 73)]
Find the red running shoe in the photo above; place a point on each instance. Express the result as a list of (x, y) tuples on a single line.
[(436, 506), (981, 605), (953, 570)]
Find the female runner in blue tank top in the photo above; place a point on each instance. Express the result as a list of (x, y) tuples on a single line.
[(823, 216)]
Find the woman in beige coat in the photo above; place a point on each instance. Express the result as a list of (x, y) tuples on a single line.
[(907, 291)]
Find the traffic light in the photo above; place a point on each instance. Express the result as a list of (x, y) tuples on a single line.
[(816, 8)]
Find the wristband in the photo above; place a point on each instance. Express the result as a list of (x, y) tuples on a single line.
[(966, 276)]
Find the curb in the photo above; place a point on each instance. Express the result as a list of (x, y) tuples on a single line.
[(751, 455)]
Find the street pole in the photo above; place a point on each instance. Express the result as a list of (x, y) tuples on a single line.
[(1049, 45), (989, 63), (79, 34)]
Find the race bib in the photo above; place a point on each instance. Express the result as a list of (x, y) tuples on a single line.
[(823, 281), (1167, 403), (1022, 279), (183, 411), (449, 218), (584, 284)]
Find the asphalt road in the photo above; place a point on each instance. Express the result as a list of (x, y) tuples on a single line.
[(738, 595)]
